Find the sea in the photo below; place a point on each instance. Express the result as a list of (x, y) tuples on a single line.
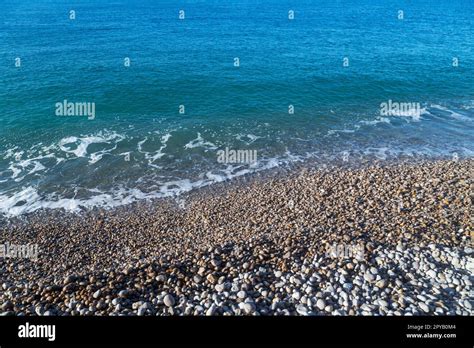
[(105, 103)]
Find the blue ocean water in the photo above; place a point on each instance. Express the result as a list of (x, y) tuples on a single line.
[(334, 64)]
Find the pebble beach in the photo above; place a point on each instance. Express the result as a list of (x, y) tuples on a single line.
[(378, 240)]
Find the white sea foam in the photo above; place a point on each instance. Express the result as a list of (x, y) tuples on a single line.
[(409, 114), (200, 142), (451, 113), (31, 198), (160, 153), (78, 145), (140, 144), (15, 171), (376, 121), (379, 152), (28, 199), (153, 156), (337, 131), (11, 152), (468, 106), (27, 167), (248, 138), (37, 159)]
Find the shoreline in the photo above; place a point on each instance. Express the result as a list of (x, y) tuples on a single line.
[(311, 164), (266, 244)]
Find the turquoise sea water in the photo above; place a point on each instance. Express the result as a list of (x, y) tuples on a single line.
[(75, 162)]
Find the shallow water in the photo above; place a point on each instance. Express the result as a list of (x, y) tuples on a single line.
[(77, 162)]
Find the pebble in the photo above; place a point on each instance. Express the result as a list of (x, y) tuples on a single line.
[(169, 300), (369, 277), (348, 286), (211, 311), (321, 304), (302, 310), (123, 293), (7, 305), (241, 294), (248, 308), (424, 307), (211, 278), (274, 262)]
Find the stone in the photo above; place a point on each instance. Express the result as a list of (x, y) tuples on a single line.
[(421, 298), (168, 300), (145, 306), (248, 308), (96, 294), (241, 294), (302, 310), (321, 304), (211, 278), (160, 278), (7, 305), (347, 286), (211, 310), (296, 295), (70, 279), (123, 293), (216, 263), (374, 270), (369, 277), (424, 307)]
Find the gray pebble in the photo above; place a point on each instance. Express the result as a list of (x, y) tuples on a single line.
[(169, 300)]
